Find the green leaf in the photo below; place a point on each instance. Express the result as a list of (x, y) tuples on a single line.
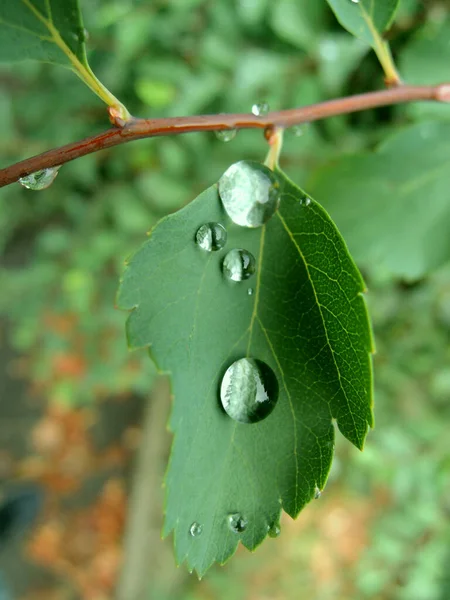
[(425, 60), (49, 31), (392, 205), (306, 319), (366, 19), (298, 22)]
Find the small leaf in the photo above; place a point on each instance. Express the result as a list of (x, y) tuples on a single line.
[(365, 19), (50, 31), (301, 316), (393, 205), (298, 22)]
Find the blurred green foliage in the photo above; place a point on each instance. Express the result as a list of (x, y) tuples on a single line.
[(63, 250)]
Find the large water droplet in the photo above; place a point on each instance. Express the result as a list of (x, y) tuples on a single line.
[(261, 109), (239, 264), (250, 193), (249, 390), (195, 529), (226, 135), (236, 523), (211, 237), (274, 530), (40, 180)]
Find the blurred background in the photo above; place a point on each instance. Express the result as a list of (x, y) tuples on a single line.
[(82, 420)]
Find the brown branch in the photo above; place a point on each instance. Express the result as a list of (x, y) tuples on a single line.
[(143, 128)]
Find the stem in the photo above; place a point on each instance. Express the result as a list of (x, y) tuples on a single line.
[(275, 139), (135, 129), (383, 52)]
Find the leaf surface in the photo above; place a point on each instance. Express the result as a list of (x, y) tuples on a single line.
[(366, 19), (306, 319), (393, 205), (45, 30)]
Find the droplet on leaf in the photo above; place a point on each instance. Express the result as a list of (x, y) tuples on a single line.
[(250, 193), (226, 135), (355, 1), (195, 529), (250, 291), (274, 530), (236, 523), (239, 264), (40, 180), (261, 109), (211, 237), (249, 390)]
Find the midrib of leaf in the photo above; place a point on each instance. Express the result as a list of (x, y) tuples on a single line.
[(258, 286), (81, 69)]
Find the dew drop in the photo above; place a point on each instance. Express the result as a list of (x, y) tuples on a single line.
[(236, 523), (211, 237), (250, 193), (355, 1), (225, 135), (299, 130), (40, 180), (307, 201), (249, 390), (261, 109), (195, 529), (274, 530), (250, 291), (239, 264), (317, 493)]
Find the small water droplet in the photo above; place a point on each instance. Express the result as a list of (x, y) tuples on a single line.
[(274, 530), (249, 390), (239, 264), (40, 180), (317, 493), (250, 291), (211, 237), (307, 201), (226, 135), (250, 193), (195, 529), (355, 1), (261, 109), (236, 523), (299, 130)]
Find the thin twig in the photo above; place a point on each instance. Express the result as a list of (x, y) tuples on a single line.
[(143, 128)]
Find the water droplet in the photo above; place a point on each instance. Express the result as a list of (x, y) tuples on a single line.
[(226, 135), (307, 201), (249, 390), (317, 493), (211, 237), (40, 180), (299, 130), (250, 291), (355, 1), (274, 530), (195, 529), (236, 523), (250, 193), (239, 264), (261, 109)]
